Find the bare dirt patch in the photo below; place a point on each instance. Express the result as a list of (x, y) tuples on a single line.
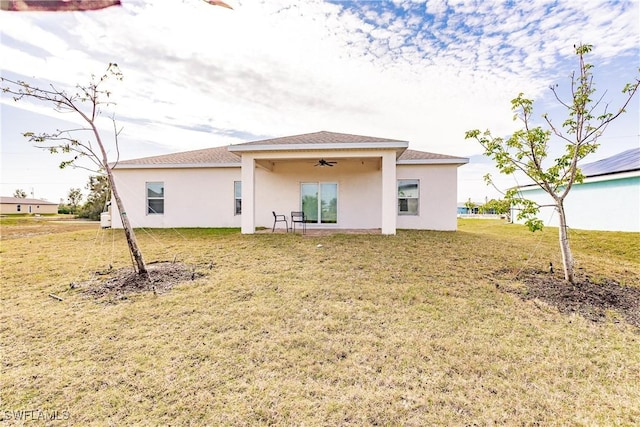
[(119, 283), (591, 299)]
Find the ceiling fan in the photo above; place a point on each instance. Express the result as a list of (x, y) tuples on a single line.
[(323, 162)]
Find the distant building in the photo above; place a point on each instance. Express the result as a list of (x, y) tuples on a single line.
[(16, 205), (463, 209), (608, 199)]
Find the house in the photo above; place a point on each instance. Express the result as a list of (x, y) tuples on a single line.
[(340, 181), (17, 205), (463, 208), (608, 199)]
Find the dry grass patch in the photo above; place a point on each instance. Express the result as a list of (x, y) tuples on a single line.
[(366, 330), (25, 226)]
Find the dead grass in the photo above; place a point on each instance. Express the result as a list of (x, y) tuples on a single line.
[(21, 226), (365, 330)]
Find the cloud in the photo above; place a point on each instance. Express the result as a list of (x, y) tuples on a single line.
[(200, 76)]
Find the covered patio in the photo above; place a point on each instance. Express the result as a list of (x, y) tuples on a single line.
[(318, 232), (339, 186)]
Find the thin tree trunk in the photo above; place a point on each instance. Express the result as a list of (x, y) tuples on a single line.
[(567, 258), (128, 230)]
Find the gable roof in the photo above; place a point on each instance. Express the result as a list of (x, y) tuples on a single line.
[(322, 137), (626, 161), (319, 141), (24, 201)]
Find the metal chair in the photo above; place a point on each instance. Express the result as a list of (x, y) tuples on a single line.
[(298, 217), (279, 218)]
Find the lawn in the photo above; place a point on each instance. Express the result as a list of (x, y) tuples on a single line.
[(414, 329)]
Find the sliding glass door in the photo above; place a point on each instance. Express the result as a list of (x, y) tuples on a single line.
[(320, 202)]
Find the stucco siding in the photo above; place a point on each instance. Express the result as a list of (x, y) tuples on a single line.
[(196, 197), (438, 197), (204, 197), (607, 205), (28, 208), (359, 194)]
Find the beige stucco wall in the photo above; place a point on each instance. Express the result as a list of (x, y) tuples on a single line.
[(28, 208), (438, 194), (359, 195), (197, 197), (204, 197)]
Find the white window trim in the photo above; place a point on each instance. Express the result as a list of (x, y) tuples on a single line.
[(319, 184), (398, 197), (235, 199), (147, 198)]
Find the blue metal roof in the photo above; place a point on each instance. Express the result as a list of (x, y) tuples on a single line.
[(622, 162)]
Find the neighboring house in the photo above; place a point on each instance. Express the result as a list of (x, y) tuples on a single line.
[(16, 205), (476, 211), (607, 200), (340, 181), (463, 209)]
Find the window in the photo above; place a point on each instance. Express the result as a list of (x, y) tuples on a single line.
[(155, 197), (237, 191), (320, 202), (408, 196)]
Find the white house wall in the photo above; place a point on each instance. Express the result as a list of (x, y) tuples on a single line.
[(204, 197), (438, 197), (359, 194), (196, 197), (607, 205)]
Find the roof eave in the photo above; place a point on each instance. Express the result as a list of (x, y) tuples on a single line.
[(397, 145), (456, 161), (175, 165), (592, 178)]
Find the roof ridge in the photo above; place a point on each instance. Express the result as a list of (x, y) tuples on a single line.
[(322, 136)]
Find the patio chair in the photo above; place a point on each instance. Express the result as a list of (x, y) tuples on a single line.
[(298, 217), (279, 218)]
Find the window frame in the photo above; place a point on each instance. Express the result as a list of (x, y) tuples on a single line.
[(237, 198), (320, 220), (149, 210), (406, 198)]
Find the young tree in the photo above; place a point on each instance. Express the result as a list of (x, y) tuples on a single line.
[(500, 207), (74, 197), (85, 102), (470, 206), (20, 193), (527, 149)]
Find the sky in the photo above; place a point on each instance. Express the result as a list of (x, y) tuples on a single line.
[(199, 76)]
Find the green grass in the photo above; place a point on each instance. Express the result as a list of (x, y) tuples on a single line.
[(365, 330)]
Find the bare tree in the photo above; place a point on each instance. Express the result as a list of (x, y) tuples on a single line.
[(85, 102), (527, 149)]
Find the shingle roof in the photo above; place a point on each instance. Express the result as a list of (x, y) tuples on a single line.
[(622, 162), (222, 155), (322, 137), (217, 155), (25, 201), (423, 155)]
